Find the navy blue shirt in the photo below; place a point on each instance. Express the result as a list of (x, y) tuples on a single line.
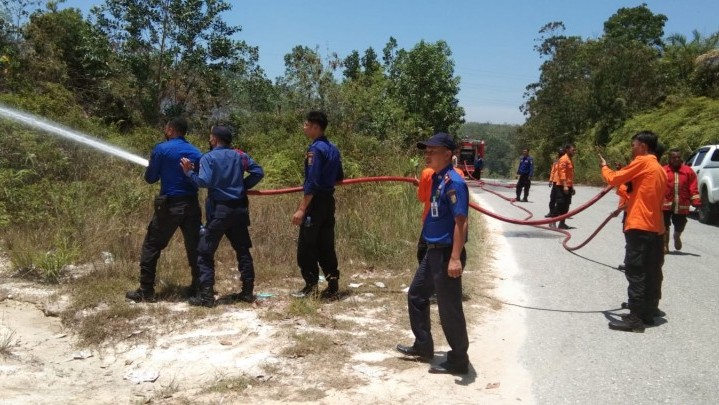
[(222, 172), (450, 192), (323, 166), (165, 166), (526, 165)]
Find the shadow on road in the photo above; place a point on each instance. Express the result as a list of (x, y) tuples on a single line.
[(677, 253), (573, 311), (596, 262), (532, 235), (658, 321)]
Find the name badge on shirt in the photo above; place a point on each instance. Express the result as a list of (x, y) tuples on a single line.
[(434, 209), (310, 157)]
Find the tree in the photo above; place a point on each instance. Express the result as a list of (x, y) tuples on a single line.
[(176, 51), (636, 24), (307, 81), (423, 82), (352, 66), (370, 63)]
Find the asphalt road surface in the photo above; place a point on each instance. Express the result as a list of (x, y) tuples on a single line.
[(568, 298)]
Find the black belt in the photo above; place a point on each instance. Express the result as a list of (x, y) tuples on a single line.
[(232, 203), (438, 245), (183, 198)]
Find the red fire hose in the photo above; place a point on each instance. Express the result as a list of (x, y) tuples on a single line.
[(482, 184)]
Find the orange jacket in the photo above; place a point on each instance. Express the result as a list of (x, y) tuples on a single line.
[(424, 190), (681, 187), (644, 206), (565, 171), (553, 172), (623, 196)]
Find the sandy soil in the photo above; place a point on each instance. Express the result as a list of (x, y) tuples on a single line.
[(239, 355)]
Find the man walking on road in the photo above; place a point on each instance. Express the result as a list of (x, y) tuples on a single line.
[(681, 191), (524, 174), (441, 268), (643, 227)]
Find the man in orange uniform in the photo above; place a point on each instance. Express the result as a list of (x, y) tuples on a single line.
[(552, 181), (564, 184), (643, 227), (424, 192), (681, 189)]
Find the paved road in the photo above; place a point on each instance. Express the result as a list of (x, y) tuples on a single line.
[(569, 352)]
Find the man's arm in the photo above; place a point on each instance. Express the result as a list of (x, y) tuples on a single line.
[(152, 173), (460, 230), (256, 173), (301, 209), (621, 176)]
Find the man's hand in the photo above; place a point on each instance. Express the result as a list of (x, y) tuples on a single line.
[(602, 162), (297, 218), (565, 190), (455, 267), (186, 164)]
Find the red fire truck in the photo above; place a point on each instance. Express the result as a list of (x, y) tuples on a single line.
[(469, 151)]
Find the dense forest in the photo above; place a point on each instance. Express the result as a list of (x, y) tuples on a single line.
[(119, 72)]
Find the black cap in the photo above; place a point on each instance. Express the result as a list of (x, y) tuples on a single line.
[(439, 139), (222, 133)]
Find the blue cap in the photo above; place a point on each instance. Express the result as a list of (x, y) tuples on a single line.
[(222, 133), (439, 139)]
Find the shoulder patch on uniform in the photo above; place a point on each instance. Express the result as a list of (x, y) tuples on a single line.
[(452, 196), (309, 156)]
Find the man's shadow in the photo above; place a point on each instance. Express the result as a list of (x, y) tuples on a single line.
[(611, 316), (463, 379)]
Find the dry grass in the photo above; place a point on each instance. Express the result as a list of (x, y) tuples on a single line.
[(376, 243), (8, 340)]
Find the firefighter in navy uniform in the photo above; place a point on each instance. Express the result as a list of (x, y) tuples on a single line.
[(222, 172), (175, 207), (441, 269), (315, 214), (525, 171)]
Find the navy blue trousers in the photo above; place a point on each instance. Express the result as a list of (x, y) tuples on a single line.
[(431, 277), (231, 222)]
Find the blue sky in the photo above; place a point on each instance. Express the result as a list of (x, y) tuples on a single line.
[(492, 41)]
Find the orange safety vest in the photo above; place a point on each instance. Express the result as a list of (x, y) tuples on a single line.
[(644, 206), (565, 171), (424, 190)]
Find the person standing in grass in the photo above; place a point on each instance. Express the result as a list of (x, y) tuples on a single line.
[(176, 206), (222, 171), (315, 214), (444, 230)]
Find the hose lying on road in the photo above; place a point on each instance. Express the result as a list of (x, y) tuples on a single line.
[(482, 184), (538, 223)]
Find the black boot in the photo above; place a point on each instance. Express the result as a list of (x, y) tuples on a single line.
[(205, 297), (145, 293), (192, 289), (629, 323), (246, 294), (332, 289), (309, 291)]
